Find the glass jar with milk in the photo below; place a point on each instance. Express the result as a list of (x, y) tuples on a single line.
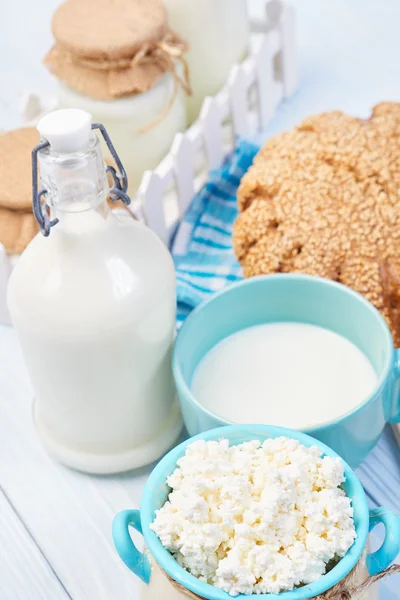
[(94, 307), (121, 62), (217, 32)]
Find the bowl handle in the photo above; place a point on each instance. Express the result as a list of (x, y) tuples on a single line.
[(382, 558), (135, 561), (394, 416)]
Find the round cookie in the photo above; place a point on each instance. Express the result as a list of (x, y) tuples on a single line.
[(108, 30), (16, 229), (15, 168)]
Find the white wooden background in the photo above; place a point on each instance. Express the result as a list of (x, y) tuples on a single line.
[(55, 540)]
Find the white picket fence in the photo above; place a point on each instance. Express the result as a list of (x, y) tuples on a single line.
[(243, 106)]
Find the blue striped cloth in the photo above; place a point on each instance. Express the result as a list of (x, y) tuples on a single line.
[(202, 248)]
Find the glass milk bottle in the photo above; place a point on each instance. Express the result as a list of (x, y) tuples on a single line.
[(93, 304), (217, 32)]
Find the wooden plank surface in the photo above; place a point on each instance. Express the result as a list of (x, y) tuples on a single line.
[(69, 514), (25, 572)]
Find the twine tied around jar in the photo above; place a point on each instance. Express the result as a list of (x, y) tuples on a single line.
[(168, 49), (343, 590), (161, 54)]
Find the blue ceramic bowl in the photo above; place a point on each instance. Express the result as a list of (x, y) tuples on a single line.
[(156, 492), (306, 299)]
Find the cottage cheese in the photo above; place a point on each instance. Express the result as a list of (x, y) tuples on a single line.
[(256, 518)]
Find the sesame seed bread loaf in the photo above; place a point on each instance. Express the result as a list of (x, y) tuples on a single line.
[(324, 199)]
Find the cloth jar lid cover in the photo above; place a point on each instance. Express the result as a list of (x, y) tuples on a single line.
[(107, 30), (107, 50)]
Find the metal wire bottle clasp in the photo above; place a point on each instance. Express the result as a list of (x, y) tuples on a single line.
[(117, 192)]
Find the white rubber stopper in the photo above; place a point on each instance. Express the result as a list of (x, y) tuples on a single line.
[(67, 130)]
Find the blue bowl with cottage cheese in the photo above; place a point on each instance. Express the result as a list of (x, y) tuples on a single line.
[(162, 576)]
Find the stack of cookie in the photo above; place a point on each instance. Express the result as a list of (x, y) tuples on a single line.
[(17, 223)]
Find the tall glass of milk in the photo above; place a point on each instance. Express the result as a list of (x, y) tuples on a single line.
[(94, 308), (217, 32)]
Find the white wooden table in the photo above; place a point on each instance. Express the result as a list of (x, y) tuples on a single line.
[(55, 524)]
